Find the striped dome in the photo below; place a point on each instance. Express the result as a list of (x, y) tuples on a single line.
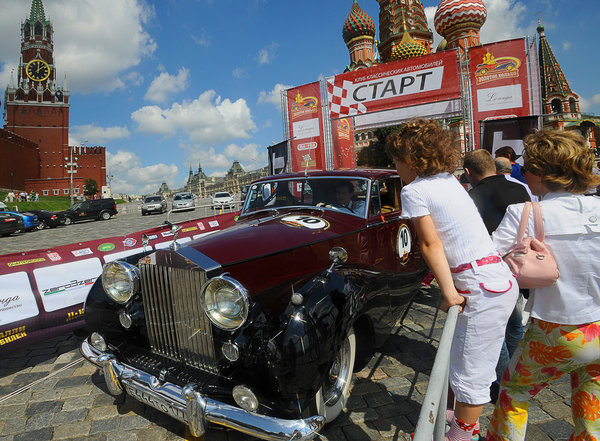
[(357, 24), (408, 48), (453, 15)]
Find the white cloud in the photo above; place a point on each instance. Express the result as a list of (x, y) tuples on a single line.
[(504, 20), (566, 45), (110, 32), (274, 96), (207, 120), (589, 104), (96, 135), (203, 40), (266, 54), (251, 157), (130, 177), (239, 72), (165, 85)]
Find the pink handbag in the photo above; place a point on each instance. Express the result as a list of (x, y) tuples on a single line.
[(531, 260)]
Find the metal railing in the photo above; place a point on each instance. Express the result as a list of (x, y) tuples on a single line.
[(432, 418)]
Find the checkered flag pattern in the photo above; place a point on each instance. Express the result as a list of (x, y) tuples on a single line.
[(339, 103)]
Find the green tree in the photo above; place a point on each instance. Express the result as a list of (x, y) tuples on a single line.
[(374, 155), (90, 187)]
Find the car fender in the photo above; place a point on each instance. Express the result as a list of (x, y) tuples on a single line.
[(311, 333)]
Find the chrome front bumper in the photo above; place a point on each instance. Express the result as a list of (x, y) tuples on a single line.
[(189, 406)]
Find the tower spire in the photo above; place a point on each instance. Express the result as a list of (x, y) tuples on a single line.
[(37, 12)]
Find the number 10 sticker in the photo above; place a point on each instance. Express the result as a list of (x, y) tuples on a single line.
[(310, 222), (404, 244)]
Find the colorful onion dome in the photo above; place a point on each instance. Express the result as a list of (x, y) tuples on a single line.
[(408, 48), (454, 15), (357, 24)]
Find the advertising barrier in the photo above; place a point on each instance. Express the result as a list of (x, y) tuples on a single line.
[(42, 292)]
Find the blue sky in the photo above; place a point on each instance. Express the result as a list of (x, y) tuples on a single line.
[(172, 83)]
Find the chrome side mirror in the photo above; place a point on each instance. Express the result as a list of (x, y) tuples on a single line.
[(337, 255)]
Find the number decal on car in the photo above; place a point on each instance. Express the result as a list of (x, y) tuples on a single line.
[(310, 222), (404, 244)]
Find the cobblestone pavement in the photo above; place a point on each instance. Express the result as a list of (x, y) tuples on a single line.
[(47, 392)]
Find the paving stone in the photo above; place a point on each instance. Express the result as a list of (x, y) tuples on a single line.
[(70, 416), (45, 395), (378, 399), (13, 426), (103, 412), (38, 435), (78, 403), (106, 425), (364, 415), (361, 432), (28, 378), (72, 430), (558, 430), (129, 422), (72, 381), (556, 409), (78, 391), (393, 428), (39, 421), (160, 434), (43, 407)]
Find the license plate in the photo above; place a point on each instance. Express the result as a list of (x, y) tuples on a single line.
[(158, 403)]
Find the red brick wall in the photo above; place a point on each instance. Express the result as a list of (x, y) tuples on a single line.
[(19, 157)]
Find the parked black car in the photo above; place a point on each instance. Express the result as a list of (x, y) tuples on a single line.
[(95, 209), (48, 219), (258, 327), (10, 223)]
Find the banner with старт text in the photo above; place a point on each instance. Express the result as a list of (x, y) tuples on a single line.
[(426, 79)]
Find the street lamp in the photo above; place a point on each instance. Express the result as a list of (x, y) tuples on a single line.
[(72, 168)]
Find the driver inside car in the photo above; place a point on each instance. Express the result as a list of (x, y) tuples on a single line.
[(344, 193)]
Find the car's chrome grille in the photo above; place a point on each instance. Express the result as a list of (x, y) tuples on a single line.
[(177, 326)]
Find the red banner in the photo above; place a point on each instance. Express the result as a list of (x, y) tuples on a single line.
[(422, 80), (499, 82), (43, 291), (306, 127), (343, 144)]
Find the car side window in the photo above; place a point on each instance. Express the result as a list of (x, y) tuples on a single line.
[(385, 196)]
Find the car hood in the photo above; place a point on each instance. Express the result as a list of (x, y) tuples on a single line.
[(270, 234)]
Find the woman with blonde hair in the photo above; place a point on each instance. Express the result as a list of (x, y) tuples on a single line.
[(563, 336), (458, 249)]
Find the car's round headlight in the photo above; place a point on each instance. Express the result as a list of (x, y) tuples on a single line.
[(226, 302), (120, 281)]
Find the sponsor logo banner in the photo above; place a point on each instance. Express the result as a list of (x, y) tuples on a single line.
[(500, 82), (17, 301), (305, 117)]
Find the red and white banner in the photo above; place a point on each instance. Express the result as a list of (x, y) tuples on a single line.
[(343, 144), (305, 118), (426, 79), (499, 82), (43, 291)]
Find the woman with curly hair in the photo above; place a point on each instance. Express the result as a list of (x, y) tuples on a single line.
[(458, 249), (563, 336)]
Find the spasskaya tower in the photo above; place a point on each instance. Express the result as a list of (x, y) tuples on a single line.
[(36, 108)]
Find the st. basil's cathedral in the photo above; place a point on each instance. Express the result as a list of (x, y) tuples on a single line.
[(404, 33)]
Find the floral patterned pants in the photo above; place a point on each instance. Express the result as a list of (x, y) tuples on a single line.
[(547, 352)]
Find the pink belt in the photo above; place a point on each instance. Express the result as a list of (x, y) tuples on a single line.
[(485, 261)]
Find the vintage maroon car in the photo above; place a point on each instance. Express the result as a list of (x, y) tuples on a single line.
[(258, 327)]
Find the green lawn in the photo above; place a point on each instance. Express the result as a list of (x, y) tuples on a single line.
[(51, 203)]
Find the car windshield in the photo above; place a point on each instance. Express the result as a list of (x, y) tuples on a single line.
[(152, 199), (179, 197), (222, 195), (344, 194)]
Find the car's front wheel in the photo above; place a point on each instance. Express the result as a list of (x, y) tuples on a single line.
[(105, 215), (335, 389), (68, 221), (41, 225)]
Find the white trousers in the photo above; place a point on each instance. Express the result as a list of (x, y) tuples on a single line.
[(491, 292)]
